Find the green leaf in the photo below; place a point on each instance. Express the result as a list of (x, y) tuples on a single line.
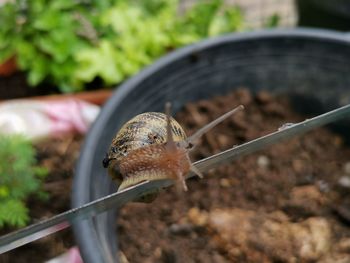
[(19, 177), (26, 53), (4, 191), (273, 21), (43, 196), (98, 62), (41, 172), (13, 212), (52, 39), (199, 17), (38, 71), (231, 20), (63, 4), (48, 20), (37, 6)]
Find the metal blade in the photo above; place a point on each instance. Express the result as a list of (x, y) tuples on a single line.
[(61, 221), (116, 200), (281, 134)]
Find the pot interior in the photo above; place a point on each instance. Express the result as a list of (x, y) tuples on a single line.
[(311, 66)]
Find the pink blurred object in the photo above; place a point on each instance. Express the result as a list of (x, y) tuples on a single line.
[(40, 119), (71, 256), (70, 115)]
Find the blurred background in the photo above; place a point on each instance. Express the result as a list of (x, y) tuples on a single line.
[(53, 46)]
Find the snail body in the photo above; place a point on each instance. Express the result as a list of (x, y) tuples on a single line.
[(153, 146)]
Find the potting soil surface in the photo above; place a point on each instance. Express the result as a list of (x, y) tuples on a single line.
[(287, 203)]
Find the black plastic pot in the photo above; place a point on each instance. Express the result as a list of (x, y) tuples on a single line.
[(312, 66), (331, 14)]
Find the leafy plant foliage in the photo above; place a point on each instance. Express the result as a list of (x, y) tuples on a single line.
[(19, 177), (70, 43)]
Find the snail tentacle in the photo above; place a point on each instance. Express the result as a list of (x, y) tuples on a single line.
[(193, 140), (182, 180), (171, 145)]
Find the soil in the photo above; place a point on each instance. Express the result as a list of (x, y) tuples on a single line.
[(16, 86), (288, 203)]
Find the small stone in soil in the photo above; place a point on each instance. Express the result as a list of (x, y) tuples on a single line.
[(277, 237), (305, 201), (347, 168), (263, 161), (181, 229), (344, 181)]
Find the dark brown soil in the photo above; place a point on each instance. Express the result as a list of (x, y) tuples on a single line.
[(295, 188), (16, 86), (298, 179)]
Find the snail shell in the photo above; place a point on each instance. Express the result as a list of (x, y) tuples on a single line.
[(145, 129), (130, 148), (153, 146)]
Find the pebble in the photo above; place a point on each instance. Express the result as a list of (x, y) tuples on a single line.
[(344, 181), (224, 182), (323, 186), (264, 97), (298, 165), (347, 167), (245, 96), (307, 200), (223, 140), (197, 217), (263, 161), (241, 233), (180, 229), (158, 252)]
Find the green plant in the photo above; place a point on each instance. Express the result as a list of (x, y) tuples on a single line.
[(19, 177), (273, 21), (140, 34), (70, 43), (45, 35)]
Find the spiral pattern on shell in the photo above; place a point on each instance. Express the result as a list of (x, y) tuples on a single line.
[(142, 130)]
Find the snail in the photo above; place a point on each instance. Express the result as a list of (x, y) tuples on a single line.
[(154, 146)]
